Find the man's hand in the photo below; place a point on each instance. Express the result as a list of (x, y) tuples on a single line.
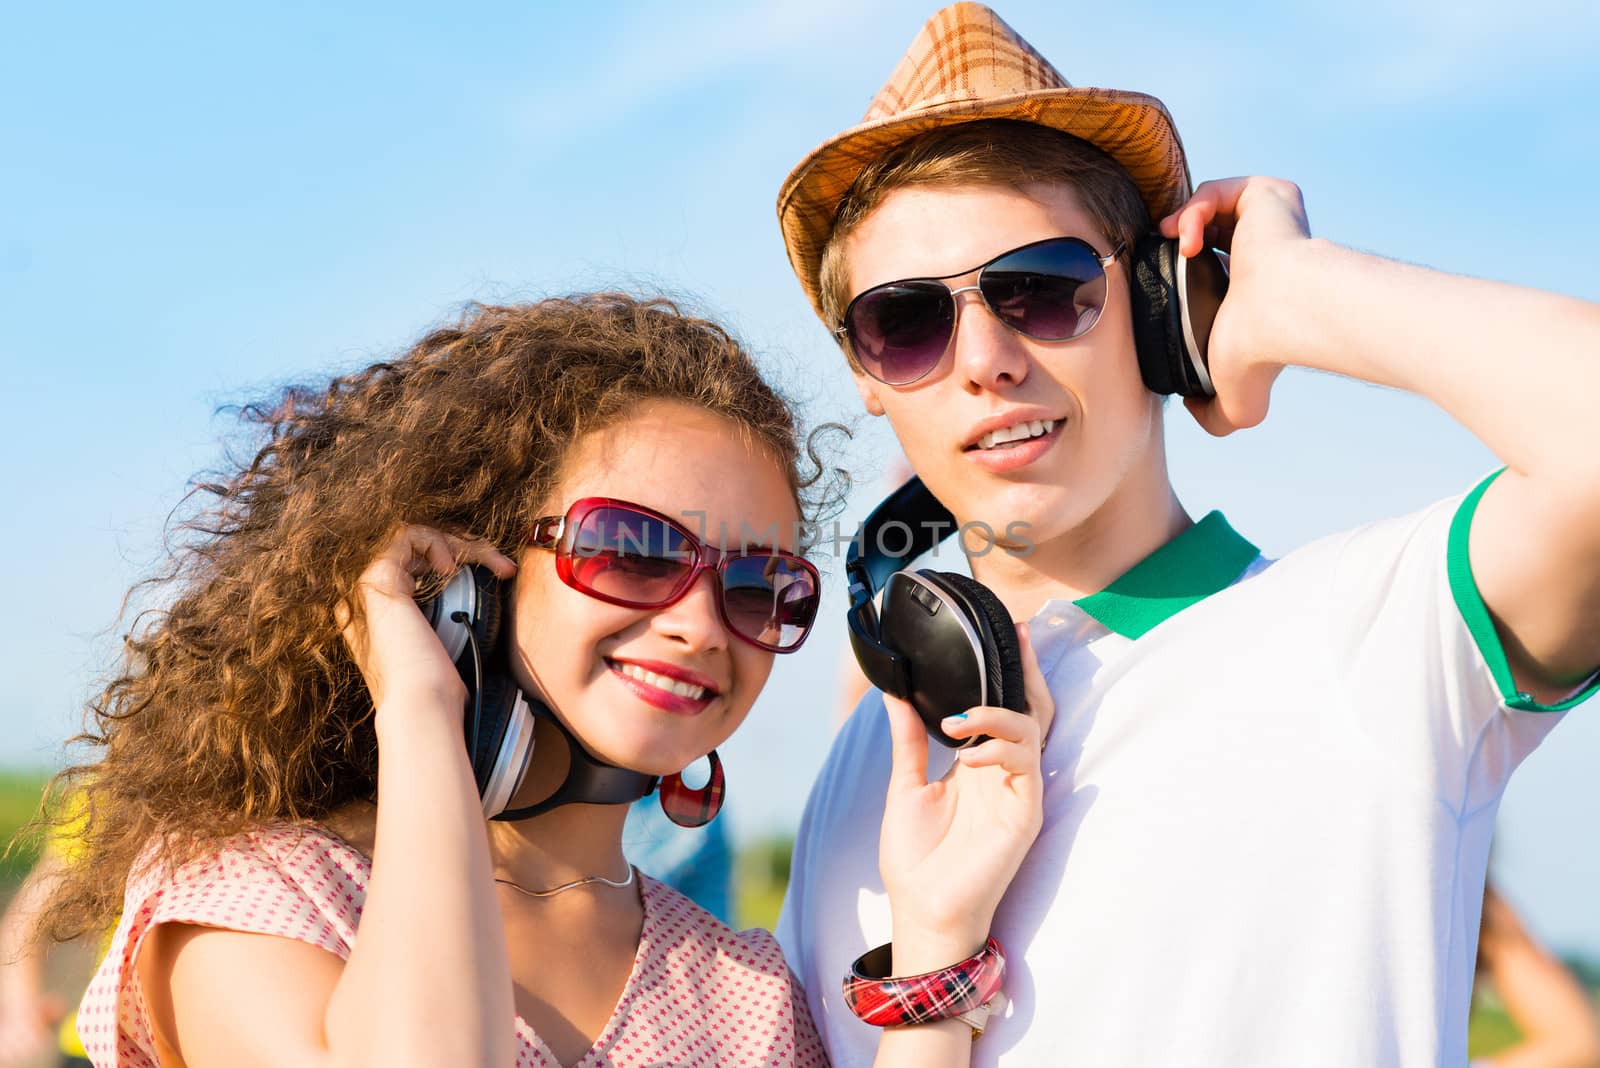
[(1253, 220)]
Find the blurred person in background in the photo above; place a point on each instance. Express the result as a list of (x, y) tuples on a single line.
[(32, 1020), (1550, 1008)]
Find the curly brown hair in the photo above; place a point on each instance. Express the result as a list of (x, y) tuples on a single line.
[(237, 704)]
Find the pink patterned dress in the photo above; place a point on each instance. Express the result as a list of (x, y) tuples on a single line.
[(699, 993)]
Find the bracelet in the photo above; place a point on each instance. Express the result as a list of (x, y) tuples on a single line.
[(946, 994)]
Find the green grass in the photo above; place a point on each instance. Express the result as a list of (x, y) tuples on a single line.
[(1489, 1031), (19, 803), (760, 874)]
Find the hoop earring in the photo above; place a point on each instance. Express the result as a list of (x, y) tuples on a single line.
[(689, 807)]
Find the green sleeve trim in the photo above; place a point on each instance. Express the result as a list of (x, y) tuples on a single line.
[(1476, 614)]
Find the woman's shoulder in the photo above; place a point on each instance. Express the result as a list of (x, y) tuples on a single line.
[(261, 853), (295, 879)]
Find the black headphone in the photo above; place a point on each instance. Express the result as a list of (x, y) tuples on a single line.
[(1174, 301), (943, 641), (499, 720)]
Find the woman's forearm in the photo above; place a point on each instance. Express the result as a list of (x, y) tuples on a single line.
[(429, 980), (946, 1044)]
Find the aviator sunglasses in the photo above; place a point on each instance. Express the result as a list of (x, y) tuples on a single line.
[(626, 554), (1050, 290)]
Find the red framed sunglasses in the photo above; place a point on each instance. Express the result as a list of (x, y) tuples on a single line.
[(629, 555)]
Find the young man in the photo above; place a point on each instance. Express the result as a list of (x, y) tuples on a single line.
[(1271, 785)]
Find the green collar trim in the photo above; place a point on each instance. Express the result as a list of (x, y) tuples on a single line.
[(1186, 570)]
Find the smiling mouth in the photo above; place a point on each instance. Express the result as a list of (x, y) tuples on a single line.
[(1013, 435), (677, 687)]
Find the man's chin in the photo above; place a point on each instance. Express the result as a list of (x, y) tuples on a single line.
[(1012, 508)]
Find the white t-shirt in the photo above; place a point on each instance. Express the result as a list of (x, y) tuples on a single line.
[(1270, 792)]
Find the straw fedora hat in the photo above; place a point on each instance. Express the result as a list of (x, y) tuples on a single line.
[(967, 64)]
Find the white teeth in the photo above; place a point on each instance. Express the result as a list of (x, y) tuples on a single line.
[(662, 682), (1020, 432)]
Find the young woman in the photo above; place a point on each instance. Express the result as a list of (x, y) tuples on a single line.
[(300, 755)]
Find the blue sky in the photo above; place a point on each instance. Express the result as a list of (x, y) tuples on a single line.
[(199, 205)]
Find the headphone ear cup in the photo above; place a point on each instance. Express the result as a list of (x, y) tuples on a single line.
[(504, 741), (1157, 322), (1174, 301), (496, 725), (486, 627), (472, 592), (1002, 653)]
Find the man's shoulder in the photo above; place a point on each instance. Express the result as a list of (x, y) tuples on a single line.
[(867, 717), (1352, 573), (855, 773), (1377, 543), (863, 738)]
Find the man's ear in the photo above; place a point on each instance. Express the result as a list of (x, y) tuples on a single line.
[(868, 387)]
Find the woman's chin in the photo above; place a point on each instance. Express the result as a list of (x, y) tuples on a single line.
[(659, 758), (651, 743)]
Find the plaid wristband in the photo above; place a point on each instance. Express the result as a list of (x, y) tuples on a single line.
[(919, 999)]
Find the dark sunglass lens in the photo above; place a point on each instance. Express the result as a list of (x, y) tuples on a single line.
[(629, 556), (770, 599), (899, 331), (1051, 291)]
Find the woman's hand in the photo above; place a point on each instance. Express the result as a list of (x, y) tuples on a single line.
[(429, 980), (1253, 220), (950, 848), (391, 641)]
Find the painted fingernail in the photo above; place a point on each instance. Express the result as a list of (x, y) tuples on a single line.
[(958, 715)]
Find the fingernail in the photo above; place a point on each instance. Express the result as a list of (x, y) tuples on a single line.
[(958, 715)]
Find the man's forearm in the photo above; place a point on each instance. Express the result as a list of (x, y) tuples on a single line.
[(1515, 366)]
